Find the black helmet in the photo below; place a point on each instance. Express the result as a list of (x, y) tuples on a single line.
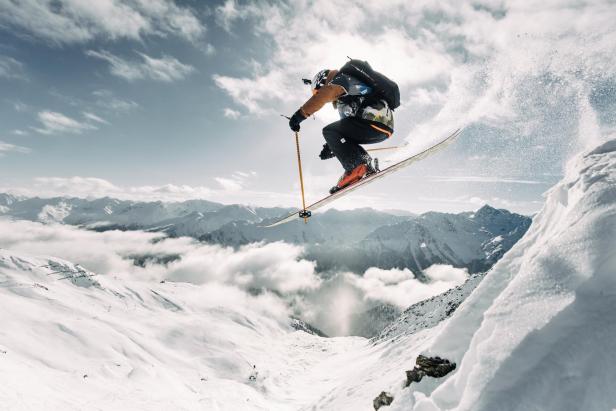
[(319, 80)]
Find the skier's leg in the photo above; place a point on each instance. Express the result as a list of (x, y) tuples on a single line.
[(362, 132), (346, 151), (344, 138)]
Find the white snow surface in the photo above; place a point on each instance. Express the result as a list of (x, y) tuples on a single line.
[(539, 333), (110, 344)]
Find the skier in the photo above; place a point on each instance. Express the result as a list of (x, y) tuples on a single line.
[(364, 119)]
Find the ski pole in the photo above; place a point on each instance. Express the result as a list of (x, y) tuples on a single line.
[(304, 213), (386, 148)]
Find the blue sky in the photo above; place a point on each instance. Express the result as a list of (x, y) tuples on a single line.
[(175, 100)]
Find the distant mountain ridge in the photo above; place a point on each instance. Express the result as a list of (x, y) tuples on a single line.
[(338, 240)]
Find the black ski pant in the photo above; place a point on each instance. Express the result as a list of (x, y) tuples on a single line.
[(345, 136)]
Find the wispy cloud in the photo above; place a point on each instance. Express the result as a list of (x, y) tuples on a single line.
[(209, 49), (94, 117), (227, 13), (7, 147), (11, 68), (164, 69), (237, 181), (58, 123), (276, 82), (228, 184), (20, 107), (107, 100), (232, 114), (259, 94), (79, 22), (88, 187)]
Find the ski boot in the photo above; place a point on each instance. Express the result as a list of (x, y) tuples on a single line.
[(366, 168), (373, 166)]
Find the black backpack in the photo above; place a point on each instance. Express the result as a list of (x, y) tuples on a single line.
[(383, 87)]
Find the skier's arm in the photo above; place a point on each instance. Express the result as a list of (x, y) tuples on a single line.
[(324, 95)]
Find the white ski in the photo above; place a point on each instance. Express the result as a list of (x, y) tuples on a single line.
[(366, 180)]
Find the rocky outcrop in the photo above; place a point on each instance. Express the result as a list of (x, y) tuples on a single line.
[(384, 398), (435, 367)]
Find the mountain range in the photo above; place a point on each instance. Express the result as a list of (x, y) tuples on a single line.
[(352, 240)]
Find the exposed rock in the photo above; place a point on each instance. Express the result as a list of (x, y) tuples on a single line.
[(435, 367), (301, 325), (430, 312), (384, 398)]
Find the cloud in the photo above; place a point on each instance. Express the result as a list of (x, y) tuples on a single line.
[(334, 305), (92, 187), (75, 21), (209, 49), (258, 94), (274, 266), (228, 184), (402, 289), (20, 107), (276, 82), (86, 186), (232, 114), (6, 147), (514, 66), (11, 68), (277, 267), (58, 123), (230, 11), (107, 100), (94, 117), (237, 181), (166, 69)]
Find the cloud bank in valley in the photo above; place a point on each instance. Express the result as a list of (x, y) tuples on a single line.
[(275, 274)]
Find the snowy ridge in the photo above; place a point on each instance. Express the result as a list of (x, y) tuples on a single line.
[(430, 312), (542, 321), (473, 241)]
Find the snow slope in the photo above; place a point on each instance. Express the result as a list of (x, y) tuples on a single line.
[(108, 343), (539, 333)]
